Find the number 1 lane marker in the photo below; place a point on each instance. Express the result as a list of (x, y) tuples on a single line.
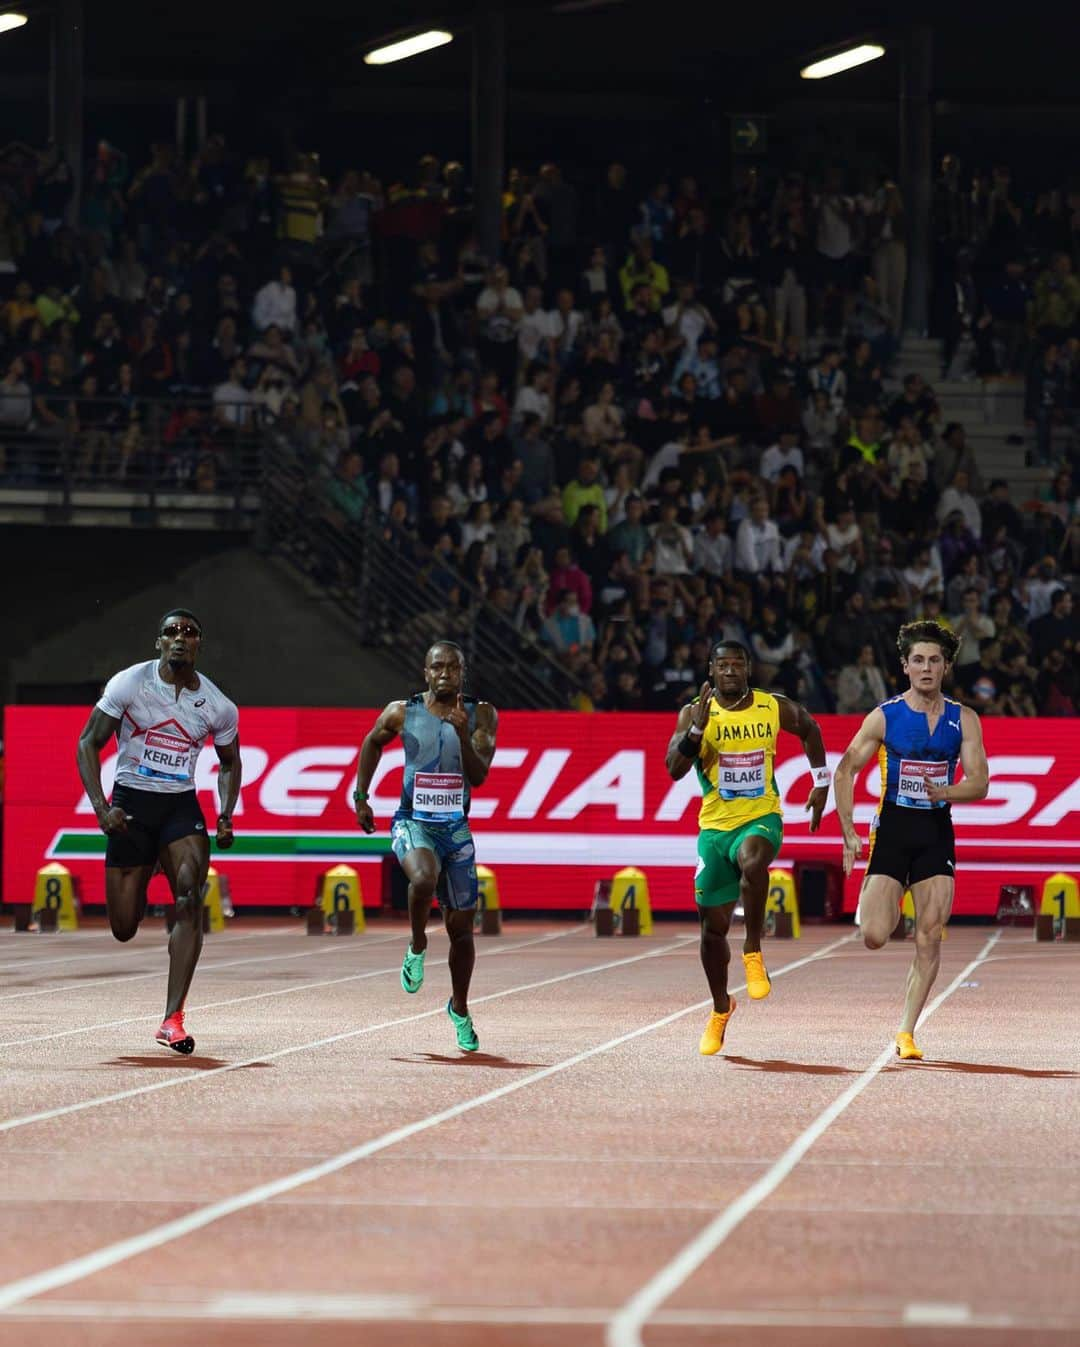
[(76, 1269)]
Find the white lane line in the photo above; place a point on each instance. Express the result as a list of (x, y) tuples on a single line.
[(108, 940), (77, 1269), (106, 979), (932, 1314), (279, 991), (625, 1329), (178, 1076), (311, 1306)]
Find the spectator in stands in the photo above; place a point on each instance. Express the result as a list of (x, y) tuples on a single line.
[(784, 454), (757, 544), (499, 308), (998, 511), (534, 396), (585, 489), (955, 455), (861, 685), (888, 231), (233, 400), (780, 407), (972, 626), (772, 643), (275, 304), (827, 376), (642, 270), (957, 497), (672, 543), (1057, 300), (1057, 629), (1057, 687), (567, 629)]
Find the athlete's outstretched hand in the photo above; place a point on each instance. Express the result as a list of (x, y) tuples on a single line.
[(852, 850), (224, 838), (365, 819), (700, 717), (114, 821), (459, 718), (816, 805)]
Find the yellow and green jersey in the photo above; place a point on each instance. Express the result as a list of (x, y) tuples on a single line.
[(735, 765)]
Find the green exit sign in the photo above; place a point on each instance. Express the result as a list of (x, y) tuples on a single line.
[(749, 134)]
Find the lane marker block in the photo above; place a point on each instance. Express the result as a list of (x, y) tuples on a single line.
[(782, 906), (1044, 927), (213, 913), (605, 921), (488, 907), (630, 889), (340, 894), (316, 921), (631, 921), (54, 891), (1060, 901)]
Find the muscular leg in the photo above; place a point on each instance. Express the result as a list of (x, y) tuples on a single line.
[(933, 903), (879, 908), (422, 871), (459, 927), (755, 856), (715, 951), (125, 898), (185, 863)]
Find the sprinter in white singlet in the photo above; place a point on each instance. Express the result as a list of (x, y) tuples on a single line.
[(162, 712)]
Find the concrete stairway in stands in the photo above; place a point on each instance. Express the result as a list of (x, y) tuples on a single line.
[(992, 414)]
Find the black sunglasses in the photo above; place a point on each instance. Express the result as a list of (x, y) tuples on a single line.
[(176, 629)]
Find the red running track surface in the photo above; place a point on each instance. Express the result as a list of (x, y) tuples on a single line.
[(329, 1162)]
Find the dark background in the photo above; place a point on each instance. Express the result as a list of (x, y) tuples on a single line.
[(651, 84)]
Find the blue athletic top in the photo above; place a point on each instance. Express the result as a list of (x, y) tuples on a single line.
[(910, 756), (435, 788)]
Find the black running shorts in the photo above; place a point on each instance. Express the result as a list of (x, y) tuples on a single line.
[(157, 819), (912, 844)]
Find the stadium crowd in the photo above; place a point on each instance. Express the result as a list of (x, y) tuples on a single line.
[(668, 414)]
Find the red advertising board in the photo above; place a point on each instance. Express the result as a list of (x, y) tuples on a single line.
[(571, 799)]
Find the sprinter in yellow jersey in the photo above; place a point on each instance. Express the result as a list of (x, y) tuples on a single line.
[(728, 736)]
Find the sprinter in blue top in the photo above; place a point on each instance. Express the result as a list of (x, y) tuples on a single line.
[(918, 738), (449, 744)]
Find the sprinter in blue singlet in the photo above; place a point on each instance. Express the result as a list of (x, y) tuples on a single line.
[(449, 744), (918, 739)]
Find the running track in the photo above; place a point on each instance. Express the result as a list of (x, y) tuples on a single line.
[(328, 1160)]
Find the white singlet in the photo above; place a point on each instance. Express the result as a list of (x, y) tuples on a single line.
[(160, 735)]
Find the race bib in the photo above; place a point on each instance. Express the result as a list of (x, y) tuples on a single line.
[(913, 779), (741, 774), (166, 753), (438, 795)]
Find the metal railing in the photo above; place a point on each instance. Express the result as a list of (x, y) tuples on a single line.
[(395, 594), (140, 454)]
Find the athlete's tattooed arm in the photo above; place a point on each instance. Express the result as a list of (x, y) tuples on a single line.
[(96, 733)]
